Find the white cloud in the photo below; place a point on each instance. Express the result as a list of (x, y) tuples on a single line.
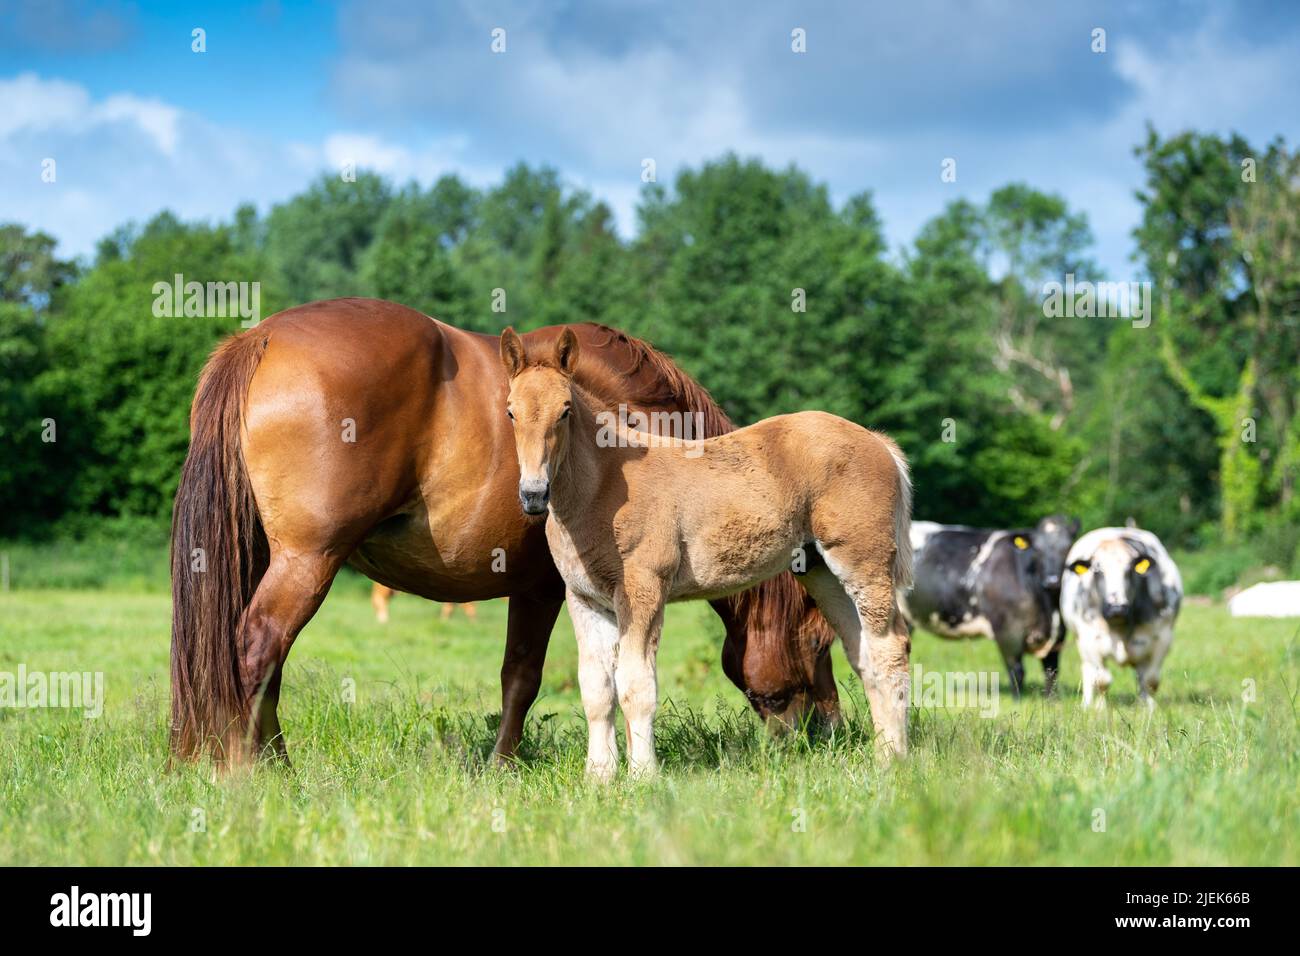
[(681, 95), (123, 157)]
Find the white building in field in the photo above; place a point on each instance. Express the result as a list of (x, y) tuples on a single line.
[(1270, 599)]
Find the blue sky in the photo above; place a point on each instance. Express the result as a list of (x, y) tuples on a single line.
[(137, 122)]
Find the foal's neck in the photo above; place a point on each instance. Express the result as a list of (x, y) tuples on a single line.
[(580, 473)]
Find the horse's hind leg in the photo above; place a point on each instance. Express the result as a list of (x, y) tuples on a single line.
[(858, 599), (289, 594)]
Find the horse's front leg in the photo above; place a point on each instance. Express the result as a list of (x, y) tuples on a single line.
[(528, 631), (597, 632), (640, 622)]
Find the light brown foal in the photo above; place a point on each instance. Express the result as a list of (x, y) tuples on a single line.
[(637, 520)]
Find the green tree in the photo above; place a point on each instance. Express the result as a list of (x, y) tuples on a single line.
[(1219, 236), (316, 240), (119, 380)]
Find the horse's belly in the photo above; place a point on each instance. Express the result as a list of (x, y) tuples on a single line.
[(444, 560)]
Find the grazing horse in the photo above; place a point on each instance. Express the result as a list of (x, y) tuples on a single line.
[(638, 519), (362, 431), (380, 596)]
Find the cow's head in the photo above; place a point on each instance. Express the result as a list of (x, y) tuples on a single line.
[(1052, 539), (1032, 572), (1121, 581)]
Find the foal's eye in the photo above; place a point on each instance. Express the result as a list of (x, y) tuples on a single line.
[(510, 415), (564, 414)]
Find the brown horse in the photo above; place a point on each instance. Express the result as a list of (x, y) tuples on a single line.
[(637, 519), (365, 432)]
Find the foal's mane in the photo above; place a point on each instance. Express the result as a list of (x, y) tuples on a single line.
[(777, 616), (633, 371)]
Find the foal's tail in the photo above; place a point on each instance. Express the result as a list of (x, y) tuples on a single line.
[(902, 521), (218, 555)]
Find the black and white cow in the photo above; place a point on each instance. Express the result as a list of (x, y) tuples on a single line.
[(1000, 584), (1122, 594)]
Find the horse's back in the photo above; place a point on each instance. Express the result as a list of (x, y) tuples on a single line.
[(818, 448)]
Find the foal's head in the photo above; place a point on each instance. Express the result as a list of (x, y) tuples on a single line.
[(538, 405)]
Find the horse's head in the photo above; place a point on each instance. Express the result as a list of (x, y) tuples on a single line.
[(539, 403)]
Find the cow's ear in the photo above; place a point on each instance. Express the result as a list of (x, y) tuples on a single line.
[(1152, 585)]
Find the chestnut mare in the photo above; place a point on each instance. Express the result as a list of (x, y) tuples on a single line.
[(637, 520), (362, 431)]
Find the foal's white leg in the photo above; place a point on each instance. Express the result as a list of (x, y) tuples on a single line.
[(875, 641), (597, 633), (641, 620)]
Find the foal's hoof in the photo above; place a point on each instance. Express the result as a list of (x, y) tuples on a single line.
[(890, 750), (643, 772), (601, 772)]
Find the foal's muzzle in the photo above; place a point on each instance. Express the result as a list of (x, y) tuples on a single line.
[(534, 493)]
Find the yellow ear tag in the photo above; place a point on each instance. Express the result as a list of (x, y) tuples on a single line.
[(1142, 567), (1020, 543), (1080, 568)]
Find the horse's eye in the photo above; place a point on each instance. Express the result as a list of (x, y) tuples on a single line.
[(510, 415), (564, 414)]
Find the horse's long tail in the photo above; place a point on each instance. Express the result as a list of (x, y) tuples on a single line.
[(218, 555)]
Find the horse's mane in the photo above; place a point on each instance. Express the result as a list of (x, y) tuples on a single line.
[(633, 371), (777, 616)]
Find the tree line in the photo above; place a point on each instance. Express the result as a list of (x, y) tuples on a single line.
[(772, 295)]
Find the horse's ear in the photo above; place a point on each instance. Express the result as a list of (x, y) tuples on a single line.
[(512, 352), (566, 352)]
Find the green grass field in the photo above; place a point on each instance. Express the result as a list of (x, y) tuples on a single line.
[(401, 776)]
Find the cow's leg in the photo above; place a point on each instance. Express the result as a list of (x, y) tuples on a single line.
[(857, 597), (1051, 670), (288, 595), (1148, 673), (597, 632), (1148, 682), (1016, 674), (529, 623), (1096, 681), (640, 622)]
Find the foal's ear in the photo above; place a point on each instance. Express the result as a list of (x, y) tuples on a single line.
[(566, 351), (512, 352)]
